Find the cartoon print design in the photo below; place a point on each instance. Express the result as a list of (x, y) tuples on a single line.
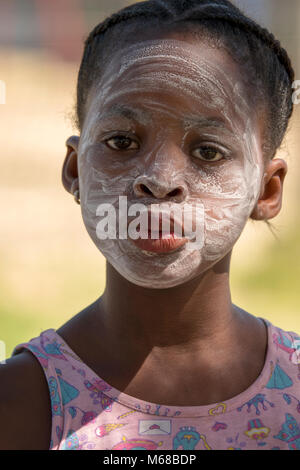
[(54, 397), (124, 415), (105, 429), (87, 446), (218, 426), (75, 442), (38, 353), (283, 342), (68, 391), (59, 433), (288, 398), (80, 371), (136, 444), (260, 398), (295, 358), (257, 431), (51, 349), (290, 432), (158, 412), (279, 379), (219, 409), (97, 388), (88, 416), (236, 443), (187, 438), (71, 442), (159, 426)]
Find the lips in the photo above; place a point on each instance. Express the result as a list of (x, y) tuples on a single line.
[(161, 245), (158, 240)]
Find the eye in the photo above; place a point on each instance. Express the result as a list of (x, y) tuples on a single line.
[(120, 142), (208, 154)]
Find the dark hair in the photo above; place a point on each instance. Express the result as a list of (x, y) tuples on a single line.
[(269, 74)]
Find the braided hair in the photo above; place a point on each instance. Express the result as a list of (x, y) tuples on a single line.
[(267, 68)]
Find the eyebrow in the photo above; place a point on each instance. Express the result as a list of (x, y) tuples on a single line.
[(195, 121), (129, 112), (136, 114)]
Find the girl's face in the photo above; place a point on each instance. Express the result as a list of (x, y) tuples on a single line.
[(191, 138)]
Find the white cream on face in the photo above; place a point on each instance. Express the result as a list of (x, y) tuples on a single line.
[(174, 83)]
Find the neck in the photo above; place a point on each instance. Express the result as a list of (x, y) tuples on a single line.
[(193, 313)]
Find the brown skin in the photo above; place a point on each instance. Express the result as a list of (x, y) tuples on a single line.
[(196, 339), (195, 331)]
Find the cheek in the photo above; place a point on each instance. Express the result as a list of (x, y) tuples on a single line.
[(224, 186), (224, 222), (103, 180), (227, 202)]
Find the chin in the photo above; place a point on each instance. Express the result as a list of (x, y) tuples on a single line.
[(166, 277), (152, 271), (158, 283)]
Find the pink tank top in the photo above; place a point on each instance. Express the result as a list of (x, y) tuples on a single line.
[(88, 413)]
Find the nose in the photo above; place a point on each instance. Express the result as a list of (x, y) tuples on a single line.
[(146, 186)]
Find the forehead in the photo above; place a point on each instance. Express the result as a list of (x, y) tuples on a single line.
[(173, 83), (187, 71), (189, 52)]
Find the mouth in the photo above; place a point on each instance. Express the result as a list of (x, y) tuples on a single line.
[(159, 237), (160, 245)]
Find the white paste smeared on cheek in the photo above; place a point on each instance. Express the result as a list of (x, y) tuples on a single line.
[(228, 192)]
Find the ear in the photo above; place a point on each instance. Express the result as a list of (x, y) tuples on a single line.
[(270, 199), (70, 178)]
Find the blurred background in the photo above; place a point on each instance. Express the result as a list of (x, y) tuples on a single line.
[(49, 268)]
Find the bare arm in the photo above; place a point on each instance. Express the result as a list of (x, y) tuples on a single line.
[(25, 407)]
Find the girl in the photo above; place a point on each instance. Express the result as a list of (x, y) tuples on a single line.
[(181, 105)]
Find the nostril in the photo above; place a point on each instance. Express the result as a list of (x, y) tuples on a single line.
[(145, 186), (175, 192), (145, 189)]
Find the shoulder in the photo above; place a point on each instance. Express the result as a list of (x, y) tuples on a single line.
[(25, 406), (288, 343)]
